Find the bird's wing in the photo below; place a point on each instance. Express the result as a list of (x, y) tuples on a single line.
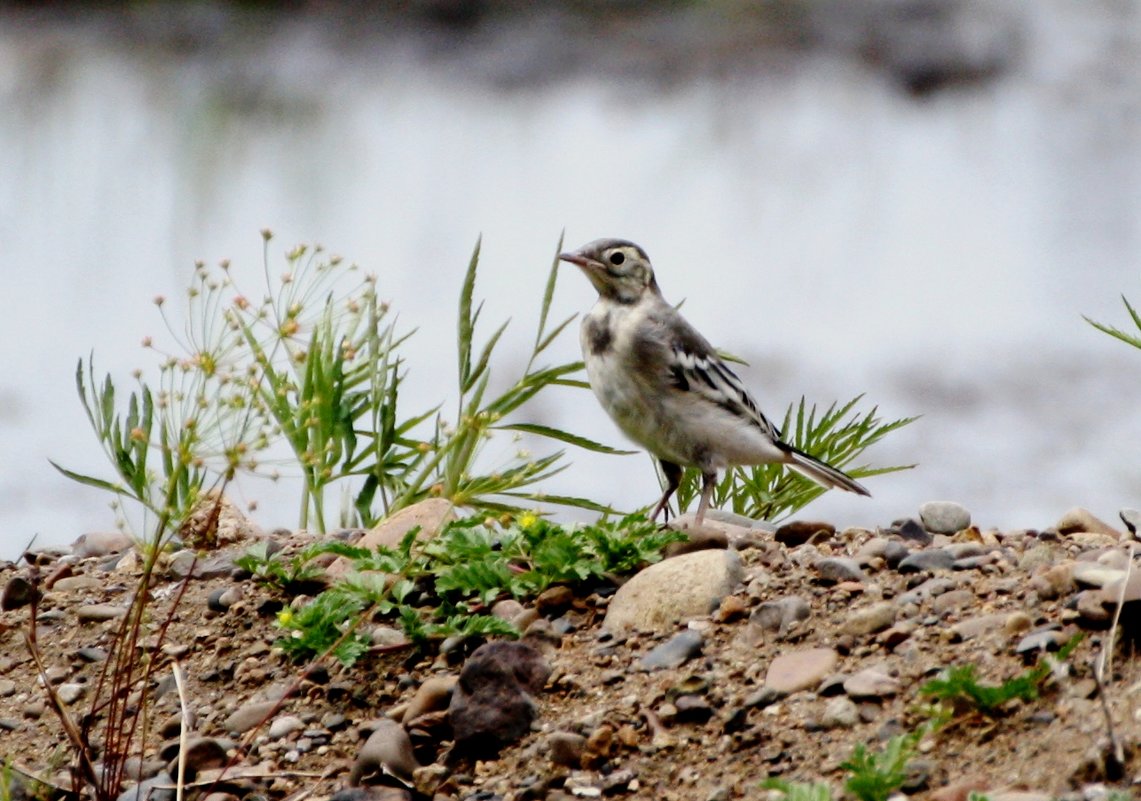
[(694, 366)]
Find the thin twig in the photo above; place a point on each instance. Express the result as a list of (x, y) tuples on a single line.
[(183, 730)]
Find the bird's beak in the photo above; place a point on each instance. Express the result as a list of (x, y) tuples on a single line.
[(575, 258)]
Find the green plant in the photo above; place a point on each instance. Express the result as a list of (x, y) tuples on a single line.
[(1124, 336), (457, 575), (771, 491), (960, 688), (290, 575), (799, 791), (875, 776), (316, 365)]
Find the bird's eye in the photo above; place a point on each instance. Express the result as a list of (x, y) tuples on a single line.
[(617, 258)]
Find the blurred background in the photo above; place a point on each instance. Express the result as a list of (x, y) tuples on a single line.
[(913, 199)]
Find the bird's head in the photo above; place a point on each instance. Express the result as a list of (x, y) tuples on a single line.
[(619, 270)]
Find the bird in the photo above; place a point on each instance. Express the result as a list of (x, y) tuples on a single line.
[(667, 388)]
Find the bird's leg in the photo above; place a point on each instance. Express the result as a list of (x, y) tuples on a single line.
[(672, 472), (708, 481)]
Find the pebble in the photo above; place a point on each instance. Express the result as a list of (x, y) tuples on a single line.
[(944, 517), (492, 704), (101, 543), (800, 670), (798, 532), (566, 748), (975, 626), (284, 726), (153, 789), (894, 553), (247, 716), (77, 584), (99, 612), (1094, 574), (202, 753), (870, 619), (952, 601), (221, 599), (18, 592), (1080, 519), (840, 713), (433, 695), (930, 559), (70, 693), (1048, 639), (930, 588), (834, 569), (7, 688), (912, 531), (674, 590), (1054, 582), (871, 683), (674, 652), (386, 752), (778, 615)]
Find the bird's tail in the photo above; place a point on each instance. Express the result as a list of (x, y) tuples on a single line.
[(823, 474)]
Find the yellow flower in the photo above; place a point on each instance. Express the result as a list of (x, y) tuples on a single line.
[(285, 618), (528, 519)]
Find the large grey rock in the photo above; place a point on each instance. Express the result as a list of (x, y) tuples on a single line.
[(1079, 520), (674, 590), (944, 517), (492, 704)]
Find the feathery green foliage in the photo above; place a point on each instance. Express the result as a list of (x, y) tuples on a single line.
[(454, 578), (837, 436), (317, 366), (960, 688), (1117, 333), (875, 776)]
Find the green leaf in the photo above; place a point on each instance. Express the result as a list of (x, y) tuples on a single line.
[(564, 436)]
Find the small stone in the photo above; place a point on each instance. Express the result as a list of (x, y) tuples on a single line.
[(675, 652), (952, 601), (1079, 519), (1017, 622), (1048, 639), (944, 517), (77, 584), (732, 608), (1090, 605), (674, 590), (284, 726), (70, 693), (778, 615), (566, 748), (960, 789), (554, 600), (508, 609), (1054, 583), (912, 531), (693, 709), (835, 569), (871, 683), (223, 598), (765, 696), (491, 704), (7, 688), (19, 592), (433, 695), (99, 612), (153, 789), (428, 779), (1093, 574), (800, 670), (247, 716), (202, 753), (975, 626), (840, 713), (101, 543), (932, 587), (387, 752), (896, 552), (799, 532), (930, 559), (870, 619)]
